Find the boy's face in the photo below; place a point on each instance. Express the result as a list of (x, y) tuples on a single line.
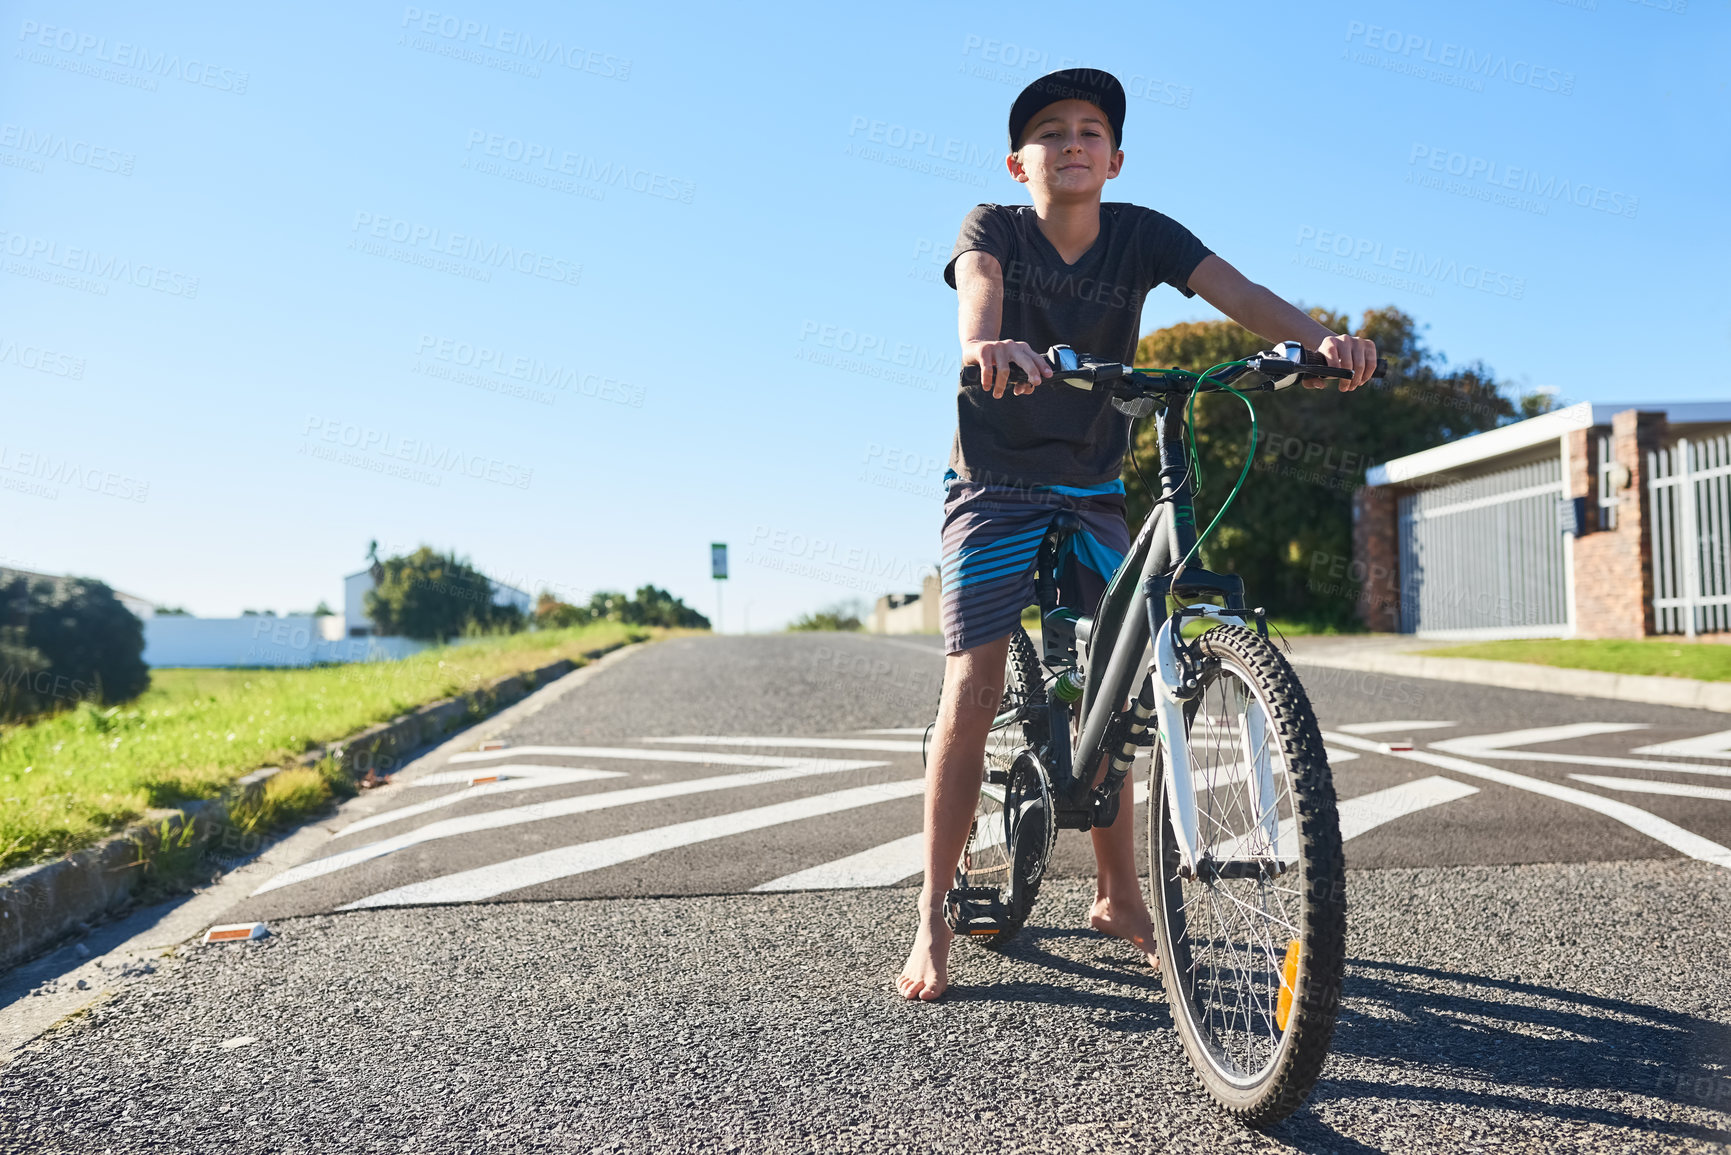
[(1067, 151)]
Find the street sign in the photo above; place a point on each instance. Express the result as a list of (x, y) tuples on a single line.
[(718, 560)]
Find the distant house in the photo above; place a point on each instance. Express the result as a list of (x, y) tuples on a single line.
[(356, 586), (909, 613), (1594, 521)]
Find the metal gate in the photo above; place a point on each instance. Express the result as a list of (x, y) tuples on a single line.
[(1485, 554), (1689, 488)]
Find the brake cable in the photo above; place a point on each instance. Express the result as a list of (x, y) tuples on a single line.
[(1195, 457)]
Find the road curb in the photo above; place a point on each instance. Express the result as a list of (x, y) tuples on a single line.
[(1645, 688), (44, 902)]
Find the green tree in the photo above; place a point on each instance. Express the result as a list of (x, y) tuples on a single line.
[(1294, 515), (67, 640), (435, 596)]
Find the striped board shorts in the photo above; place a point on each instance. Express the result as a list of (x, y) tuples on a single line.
[(992, 536)]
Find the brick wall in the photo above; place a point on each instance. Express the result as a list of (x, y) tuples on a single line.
[(1614, 568), (1376, 555)]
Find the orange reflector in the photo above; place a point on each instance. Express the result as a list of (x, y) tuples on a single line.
[(483, 778), (495, 744), (236, 932), (980, 932), (1288, 981), (1403, 747)]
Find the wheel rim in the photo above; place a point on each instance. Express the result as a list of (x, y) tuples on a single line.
[(1234, 938)]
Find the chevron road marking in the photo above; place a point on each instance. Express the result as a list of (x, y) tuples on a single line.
[(1684, 841), (883, 745), (510, 784), (531, 870), (891, 862), (1706, 746), (1649, 786), (1392, 727), (626, 752), (883, 865), (1497, 746), (490, 774), (562, 807)]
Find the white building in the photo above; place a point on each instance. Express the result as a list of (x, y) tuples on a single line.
[(356, 586), (910, 613)]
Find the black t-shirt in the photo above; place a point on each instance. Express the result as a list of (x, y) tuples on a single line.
[(1058, 434)]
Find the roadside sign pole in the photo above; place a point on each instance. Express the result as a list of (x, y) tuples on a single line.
[(718, 570)]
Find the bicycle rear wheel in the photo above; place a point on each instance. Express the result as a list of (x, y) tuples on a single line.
[(1253, 945), (1011, 839)]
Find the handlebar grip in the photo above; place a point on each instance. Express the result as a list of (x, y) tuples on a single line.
[(1310, 357), (971, 374)]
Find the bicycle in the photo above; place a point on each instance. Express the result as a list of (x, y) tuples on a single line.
[(1245, 875)]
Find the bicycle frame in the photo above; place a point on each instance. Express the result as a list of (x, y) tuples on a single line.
[(1118, 637)]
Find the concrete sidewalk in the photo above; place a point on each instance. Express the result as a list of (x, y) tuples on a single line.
[(1393, 654)]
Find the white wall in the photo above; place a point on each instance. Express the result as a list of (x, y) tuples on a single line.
[(262, 641)]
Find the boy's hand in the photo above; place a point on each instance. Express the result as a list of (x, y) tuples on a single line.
[(995, 358), (1344, 352)]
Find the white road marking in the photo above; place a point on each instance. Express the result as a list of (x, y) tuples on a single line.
[(1706, 746), (892, 862), (510, 770), (560, 808), (626, 752), (896, 730), (1368, 811), (511, 785), (1684, 841), (1496, 746), (882, 745), (1648, 786), (531, 870), (1485, 744), (1392, 727), (883, 865)]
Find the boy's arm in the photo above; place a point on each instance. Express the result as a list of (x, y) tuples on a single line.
[(980, 314), (1273, 319)]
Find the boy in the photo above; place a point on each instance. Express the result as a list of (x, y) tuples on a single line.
[(1068, 270)]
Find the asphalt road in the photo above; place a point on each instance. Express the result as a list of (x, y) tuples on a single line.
[(702, 960)]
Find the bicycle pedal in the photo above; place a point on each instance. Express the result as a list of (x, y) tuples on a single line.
[(975, 911)]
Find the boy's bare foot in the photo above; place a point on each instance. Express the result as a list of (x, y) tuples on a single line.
[(927, 972), (1128, 921)]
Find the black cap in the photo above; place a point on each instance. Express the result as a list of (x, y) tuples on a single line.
[(1090, 84)]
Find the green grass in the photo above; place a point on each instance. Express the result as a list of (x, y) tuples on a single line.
[(69, 779), (1664, 657)]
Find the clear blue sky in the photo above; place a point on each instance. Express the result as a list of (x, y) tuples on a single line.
[(252, 255)]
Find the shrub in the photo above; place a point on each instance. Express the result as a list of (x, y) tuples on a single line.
[(66, 640), (649, 606), (843, 616)]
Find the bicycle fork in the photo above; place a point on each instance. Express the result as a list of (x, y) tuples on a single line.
[(1176, 686)]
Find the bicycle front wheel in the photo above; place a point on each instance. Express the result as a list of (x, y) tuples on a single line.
[(1253, 940)]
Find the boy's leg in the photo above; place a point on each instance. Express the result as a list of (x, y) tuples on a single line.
[(1119, 908), (973, 687)]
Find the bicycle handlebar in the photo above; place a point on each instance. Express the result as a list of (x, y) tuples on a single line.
[(1276, 368)]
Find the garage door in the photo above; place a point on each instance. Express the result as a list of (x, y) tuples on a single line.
[(1484, 553)]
